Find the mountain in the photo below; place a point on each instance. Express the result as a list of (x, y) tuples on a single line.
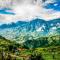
[(37, 27), (53, 26)]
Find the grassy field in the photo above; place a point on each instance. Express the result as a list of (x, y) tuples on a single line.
[(49, 53), (46, 53), (10, 50)]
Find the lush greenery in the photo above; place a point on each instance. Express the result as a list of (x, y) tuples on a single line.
[(42, 48), (42, 42)]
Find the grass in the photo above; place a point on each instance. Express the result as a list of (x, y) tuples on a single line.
[(47, 53)]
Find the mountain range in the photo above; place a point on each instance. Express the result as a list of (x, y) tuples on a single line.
[(36, 28)]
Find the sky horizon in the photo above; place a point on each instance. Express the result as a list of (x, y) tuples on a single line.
[(27, 10)]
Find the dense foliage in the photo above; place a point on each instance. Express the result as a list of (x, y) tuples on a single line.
[(43, 42), (41, 48)]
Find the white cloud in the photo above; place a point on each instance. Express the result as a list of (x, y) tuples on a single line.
[(55, 4), (27, 10)]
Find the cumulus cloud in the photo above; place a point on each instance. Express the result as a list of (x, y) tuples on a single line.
[(26, 10)]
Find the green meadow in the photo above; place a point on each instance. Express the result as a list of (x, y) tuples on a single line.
[(11, 50)]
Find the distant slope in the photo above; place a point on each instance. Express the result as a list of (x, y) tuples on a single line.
[(35, 28)]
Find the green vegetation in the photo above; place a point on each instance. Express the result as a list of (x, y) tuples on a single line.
[(42, 48), (42, 42)]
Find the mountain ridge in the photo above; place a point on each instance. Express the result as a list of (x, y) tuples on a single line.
[(36, 27)]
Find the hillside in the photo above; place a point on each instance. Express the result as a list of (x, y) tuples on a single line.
[(35, 28), (43, 47)]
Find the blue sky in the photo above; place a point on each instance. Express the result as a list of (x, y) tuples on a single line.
[(6, 11), (54, 6), (27, 10)]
